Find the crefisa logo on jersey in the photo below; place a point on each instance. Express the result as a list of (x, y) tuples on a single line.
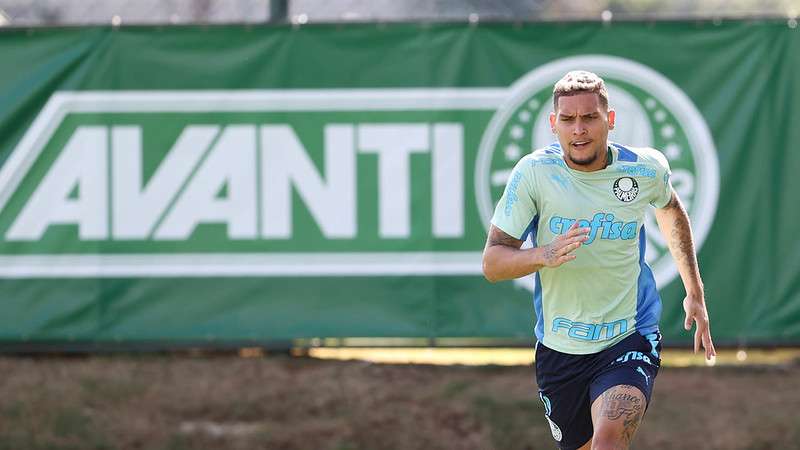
[(651, 112), (626, 189)]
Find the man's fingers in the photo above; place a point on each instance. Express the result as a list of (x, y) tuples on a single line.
[(569, 248), (571, 231), (702, 336), (708, 344), (697, 339), (696, 312), (561, 244), (562, 259), (566, 243), (565, 258), (575, 231)]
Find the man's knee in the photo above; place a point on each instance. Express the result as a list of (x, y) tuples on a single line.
[(611, 439), (608, 441), (605, 446)]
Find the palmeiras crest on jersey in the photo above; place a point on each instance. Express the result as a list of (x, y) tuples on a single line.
[(626, 189), (651, 112)]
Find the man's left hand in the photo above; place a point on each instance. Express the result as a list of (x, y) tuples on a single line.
[(695, 308)]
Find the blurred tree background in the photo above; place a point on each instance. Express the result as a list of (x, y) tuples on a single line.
[(86, 12)]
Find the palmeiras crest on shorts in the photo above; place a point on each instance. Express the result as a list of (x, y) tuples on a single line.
[(548, 408), (554, 429), (651, 112), (626, 189)]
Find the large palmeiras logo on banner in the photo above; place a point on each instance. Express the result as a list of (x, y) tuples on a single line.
[(652, 112)]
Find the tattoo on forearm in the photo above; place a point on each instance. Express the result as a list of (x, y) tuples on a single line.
[(499, 237), (681, 240)]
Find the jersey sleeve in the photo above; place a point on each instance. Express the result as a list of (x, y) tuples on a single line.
[(662, 193), (517, 207)]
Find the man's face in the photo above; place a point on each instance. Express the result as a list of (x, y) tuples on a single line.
[(581, 123)]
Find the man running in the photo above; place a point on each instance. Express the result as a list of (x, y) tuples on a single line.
[(583, 201)]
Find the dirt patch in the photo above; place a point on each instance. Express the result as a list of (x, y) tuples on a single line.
[(169, 402)]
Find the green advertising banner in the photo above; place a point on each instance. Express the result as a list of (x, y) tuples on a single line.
[(261, 184)]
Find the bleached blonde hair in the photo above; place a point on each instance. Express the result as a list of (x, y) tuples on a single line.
[(579, 82)]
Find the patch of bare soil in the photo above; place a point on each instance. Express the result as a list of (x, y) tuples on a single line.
[(181, 402)]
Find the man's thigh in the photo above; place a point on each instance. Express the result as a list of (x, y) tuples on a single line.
[(621, 392), (616, 415), (570, 384), (563, 381)]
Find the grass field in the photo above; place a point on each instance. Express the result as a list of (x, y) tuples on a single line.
[(281, 402)]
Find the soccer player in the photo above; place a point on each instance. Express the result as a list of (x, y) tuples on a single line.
[(582, 201)]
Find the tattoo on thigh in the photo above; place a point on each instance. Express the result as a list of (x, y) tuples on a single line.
[(618, 404), (629, 427), (629, 408)]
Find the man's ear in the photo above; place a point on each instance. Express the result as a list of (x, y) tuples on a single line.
[(612, 116), (553, 122)]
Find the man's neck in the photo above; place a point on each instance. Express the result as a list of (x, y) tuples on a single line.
[(600, 164)]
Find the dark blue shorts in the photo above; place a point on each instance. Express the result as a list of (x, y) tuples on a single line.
[(569, 384)]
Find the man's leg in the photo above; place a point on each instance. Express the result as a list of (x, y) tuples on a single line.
[(564, 384), (616, 414)]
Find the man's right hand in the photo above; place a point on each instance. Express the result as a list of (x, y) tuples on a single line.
[(561, 249), (503, 259)]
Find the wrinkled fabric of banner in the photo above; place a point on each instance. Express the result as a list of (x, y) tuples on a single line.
[(247, 183)]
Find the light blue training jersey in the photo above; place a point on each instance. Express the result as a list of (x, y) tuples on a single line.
[(608, 291)]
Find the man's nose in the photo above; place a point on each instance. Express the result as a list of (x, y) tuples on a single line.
[(579, 128)]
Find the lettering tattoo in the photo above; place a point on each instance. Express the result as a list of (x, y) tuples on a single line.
[(617, 404)]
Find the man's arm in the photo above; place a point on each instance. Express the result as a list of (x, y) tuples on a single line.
[(674, 225), (503, 259)]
